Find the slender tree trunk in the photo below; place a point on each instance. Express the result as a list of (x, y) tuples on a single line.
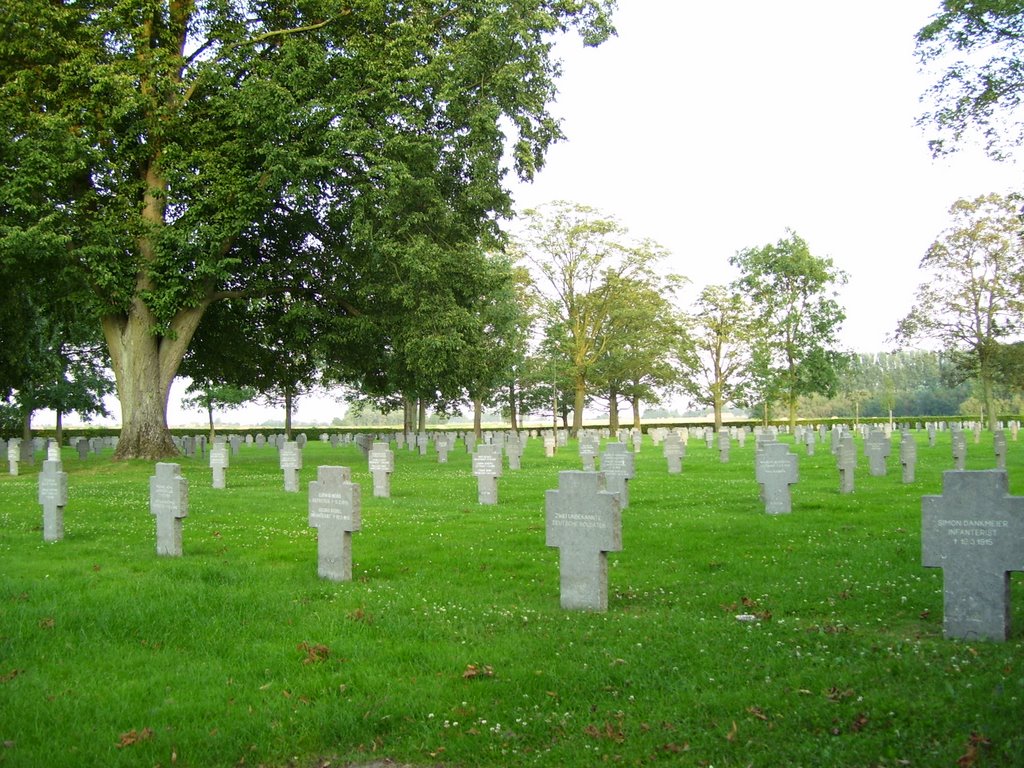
[(209, 414), (716, 396), (636, 411), (478, 409), (580, 397), (613, 410), (422, 415), (287, 414), (59, 434), (406, 415), (513, 414), (990, 403)]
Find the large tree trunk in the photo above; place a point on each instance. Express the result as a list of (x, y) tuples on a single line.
[(287, 414), (144, 366), (478, 410), (209, 415), (635, 400), (422, 419), (59, 432)]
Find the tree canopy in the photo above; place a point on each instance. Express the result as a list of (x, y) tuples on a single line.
[(173, 154)]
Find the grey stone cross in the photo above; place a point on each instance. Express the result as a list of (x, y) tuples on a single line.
[(585, 522), (168, 502), (53, 495), (334, 510), (974, 531)]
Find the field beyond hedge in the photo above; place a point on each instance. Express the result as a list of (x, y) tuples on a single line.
[(449, 646)]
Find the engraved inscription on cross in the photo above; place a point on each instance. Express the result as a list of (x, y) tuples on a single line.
[(877, 447), (53, 495), (487, 469), (291, 463), (219, 461), (974, 531), (585, 522), (334, 510), (382, 464), (776, 470), (168, 502), (618, 466)]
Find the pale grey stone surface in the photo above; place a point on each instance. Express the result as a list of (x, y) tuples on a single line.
[(877, 447), (974, 531), (584, 521), (382, 465), (619, 467), (908, 457), (219, 462), (168, 502), (487, 470), (291, 463), (53, 496), (335, 511), (776, 470)]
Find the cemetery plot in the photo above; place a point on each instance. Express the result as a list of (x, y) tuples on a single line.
[(334, 510)]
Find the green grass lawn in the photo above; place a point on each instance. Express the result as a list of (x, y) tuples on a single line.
[(449, 646)]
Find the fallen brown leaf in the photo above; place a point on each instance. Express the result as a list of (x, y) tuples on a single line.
[(731, 735), (134, 737)]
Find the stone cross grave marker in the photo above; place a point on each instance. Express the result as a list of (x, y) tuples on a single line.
[(959, 444), (638, 440), (382, 464), (168, 502), (618, 467), (13, 454), (441, 446), (908, 456), (846, 462), (52, 450), (549, 444), (422, 441), (810, 438), (673, 449), (291, 463), (776, 471), (999, 447), (300, 440), (724, 444), (877, 447), (219, 463), (334, 510), (53, 496), (514, 451), (585, 522), (487, 470), (974, 531), (588, 445)]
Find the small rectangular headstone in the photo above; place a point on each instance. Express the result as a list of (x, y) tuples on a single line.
[(974, 531), (878, 446), (382, 464), (53, 496), (674, 450), (999, 447), (168, 502), (959, 446), (585, 522), (487, 470), (618, 467), (334, 510), (588, 445), (846, 462), (908, 457), (13, 454), (724, 444), (514, 452), (291, 463), (219, 462)]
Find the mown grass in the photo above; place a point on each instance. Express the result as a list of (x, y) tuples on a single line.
[(449, 646)]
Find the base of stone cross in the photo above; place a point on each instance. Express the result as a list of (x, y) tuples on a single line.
[(219, 480), (583, 578), (334, 552), (291, 480), (53, 524), (964, 614), (168, 536), (382, 487), (487, 489)]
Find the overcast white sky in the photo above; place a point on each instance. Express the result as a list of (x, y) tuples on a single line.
[(712, 127)]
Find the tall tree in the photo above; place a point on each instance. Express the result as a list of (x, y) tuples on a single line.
[(579, 257), (186, 152), (717, 352), (641, 336), (973, 298), (798, 317), (979, 45)]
